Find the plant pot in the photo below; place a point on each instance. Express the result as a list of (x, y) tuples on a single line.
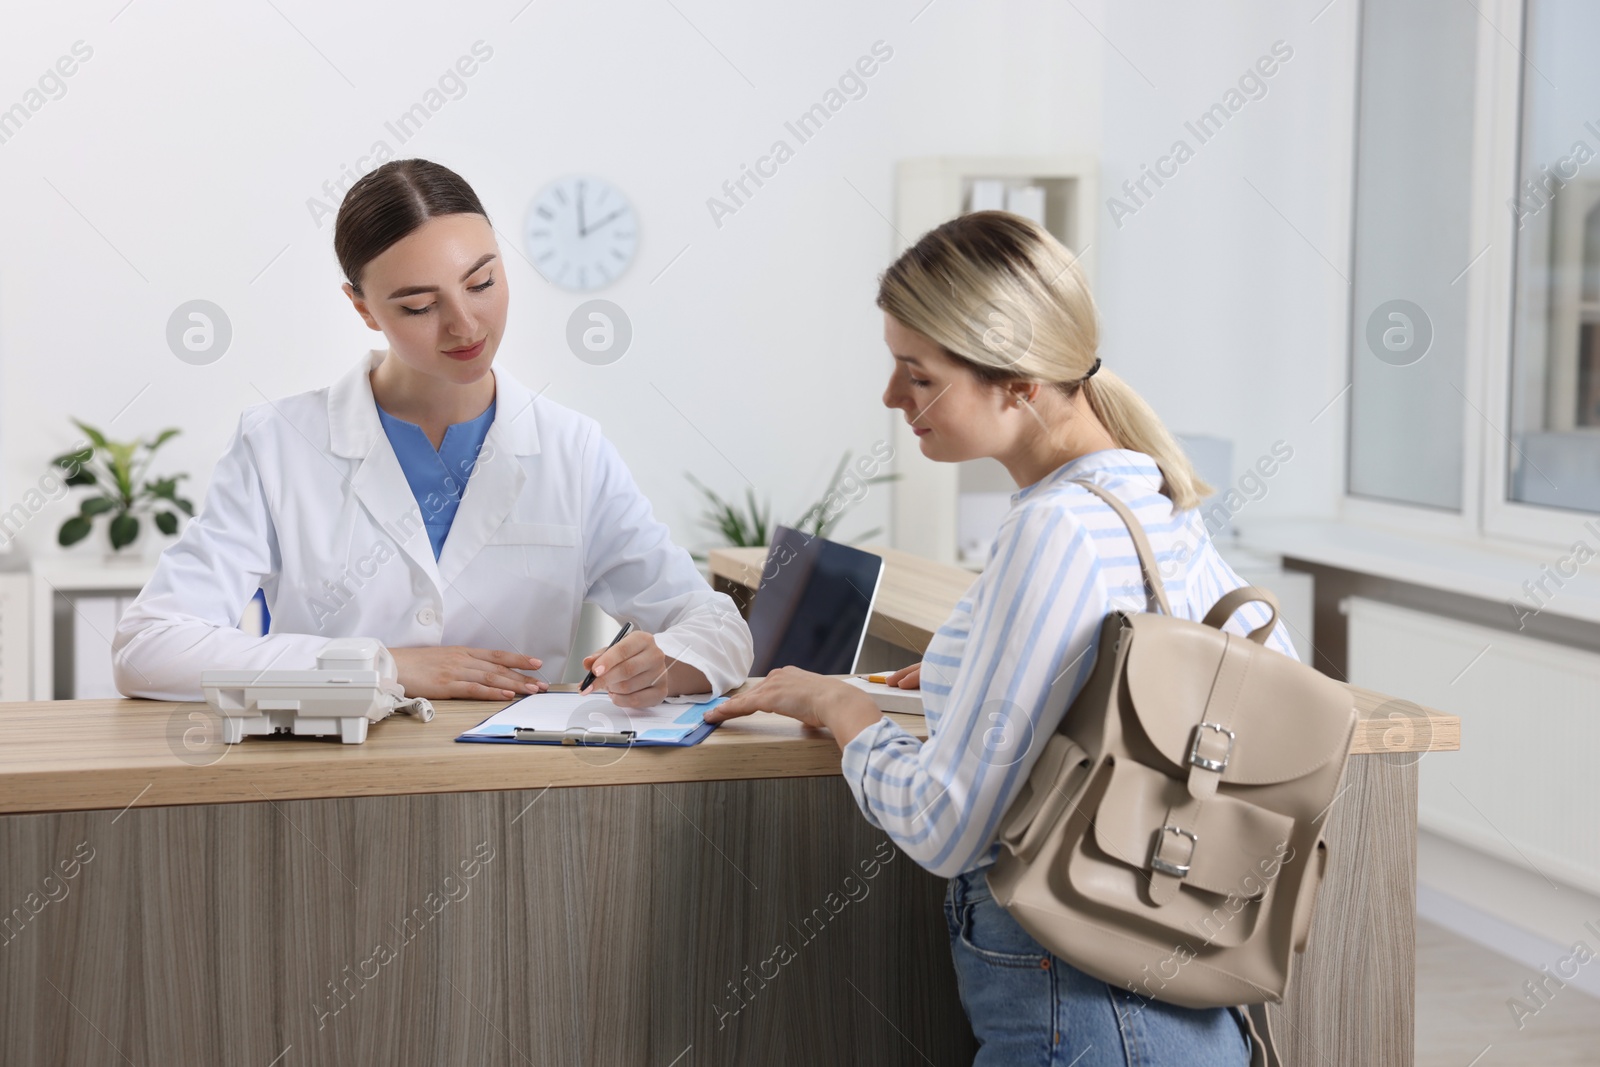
[(127, 556)]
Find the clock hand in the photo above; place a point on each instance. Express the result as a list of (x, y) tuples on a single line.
[(608, 218), (582, 230)]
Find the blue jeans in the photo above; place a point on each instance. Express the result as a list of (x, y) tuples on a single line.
[(1030, 1008)]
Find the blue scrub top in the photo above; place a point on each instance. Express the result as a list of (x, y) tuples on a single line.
[(437, 478)]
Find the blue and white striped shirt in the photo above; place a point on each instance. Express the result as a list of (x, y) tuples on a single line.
[(1000, 672)]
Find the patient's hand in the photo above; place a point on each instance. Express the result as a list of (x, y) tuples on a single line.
[(907, 677)]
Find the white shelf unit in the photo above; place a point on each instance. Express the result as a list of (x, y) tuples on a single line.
[(91, 597), (16, 630), (104, 590), (929, 191)]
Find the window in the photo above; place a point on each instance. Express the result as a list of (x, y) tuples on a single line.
[(1409, 303), (1474, 403), (1554, 458)]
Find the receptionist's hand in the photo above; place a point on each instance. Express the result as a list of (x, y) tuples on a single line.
[(906, 677), (813, 699), (633, 671), (457, 672)]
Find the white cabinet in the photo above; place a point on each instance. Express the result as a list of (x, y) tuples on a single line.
[(75, 610), (94, 623), (16, 635), (75, 606)]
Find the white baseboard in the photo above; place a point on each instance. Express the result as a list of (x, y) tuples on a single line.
[(1506, 908)]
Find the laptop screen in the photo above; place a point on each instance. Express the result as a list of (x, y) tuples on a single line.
[(813, 604)]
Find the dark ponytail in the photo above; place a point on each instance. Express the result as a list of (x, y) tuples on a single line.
[(390, 202)]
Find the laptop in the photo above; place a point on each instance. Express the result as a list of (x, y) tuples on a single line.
[(813, 604)]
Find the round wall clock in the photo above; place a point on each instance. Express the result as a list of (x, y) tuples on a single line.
[(581, 233)]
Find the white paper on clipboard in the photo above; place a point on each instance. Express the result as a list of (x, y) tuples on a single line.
[(558, 713)]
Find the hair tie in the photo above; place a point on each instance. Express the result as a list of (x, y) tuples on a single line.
[(1092, 369)]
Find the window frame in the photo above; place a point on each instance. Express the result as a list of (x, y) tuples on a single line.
[(1486, 517)]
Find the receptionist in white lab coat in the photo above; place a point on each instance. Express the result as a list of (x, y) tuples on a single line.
[(430, 500)]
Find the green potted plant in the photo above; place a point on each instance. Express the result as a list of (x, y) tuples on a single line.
[(750, 525), (117, 471)]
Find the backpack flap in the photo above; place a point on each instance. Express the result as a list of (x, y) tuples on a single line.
[(1222, 709)]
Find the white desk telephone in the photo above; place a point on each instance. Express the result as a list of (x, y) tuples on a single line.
[(354, 684)]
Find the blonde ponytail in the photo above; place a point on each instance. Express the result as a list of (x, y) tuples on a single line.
[(1134, 424), (1001, 294)]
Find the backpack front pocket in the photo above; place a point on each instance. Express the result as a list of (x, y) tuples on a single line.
[(1201, 869)]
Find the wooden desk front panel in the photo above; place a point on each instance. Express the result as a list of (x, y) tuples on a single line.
[(1352, 998), (662, 924)]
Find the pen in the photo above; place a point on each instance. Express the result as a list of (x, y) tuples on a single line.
[(588, 679)]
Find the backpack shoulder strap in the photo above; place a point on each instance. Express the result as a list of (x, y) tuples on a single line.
[(1263, 1047), (1141, 543)]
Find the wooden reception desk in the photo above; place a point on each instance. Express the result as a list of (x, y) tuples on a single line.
[(166, 899)]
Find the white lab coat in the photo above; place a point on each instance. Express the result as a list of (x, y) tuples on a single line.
[(310, 504)]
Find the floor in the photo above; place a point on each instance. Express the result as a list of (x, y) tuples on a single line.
[(1463, 1019)]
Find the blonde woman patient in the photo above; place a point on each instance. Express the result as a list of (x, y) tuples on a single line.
[(993, 336)]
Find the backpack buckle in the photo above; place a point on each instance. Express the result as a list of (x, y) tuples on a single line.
[(1166, 866), (1201, 761)]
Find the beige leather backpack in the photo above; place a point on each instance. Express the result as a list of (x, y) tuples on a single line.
[(1169, 839)]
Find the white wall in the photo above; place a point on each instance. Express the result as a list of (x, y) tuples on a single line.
[(186, 148), (1228, 320), (193, 137)]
